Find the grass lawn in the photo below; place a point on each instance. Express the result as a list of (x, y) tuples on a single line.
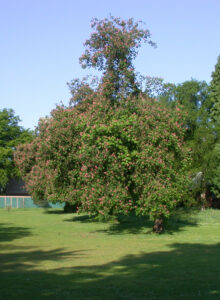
[(51, 255)]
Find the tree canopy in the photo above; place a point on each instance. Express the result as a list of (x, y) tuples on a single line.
[(128, 159)]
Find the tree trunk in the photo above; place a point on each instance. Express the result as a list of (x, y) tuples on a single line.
[(70, 208), (158, 226)]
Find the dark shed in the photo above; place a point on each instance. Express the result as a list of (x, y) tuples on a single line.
[(16, 187)]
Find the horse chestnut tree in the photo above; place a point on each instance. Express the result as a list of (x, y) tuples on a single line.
[(110, 157)]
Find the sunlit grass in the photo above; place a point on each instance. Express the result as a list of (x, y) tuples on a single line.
[(48, 254)]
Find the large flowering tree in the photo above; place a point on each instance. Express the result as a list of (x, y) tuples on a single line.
[(110, 157), (130, 158)]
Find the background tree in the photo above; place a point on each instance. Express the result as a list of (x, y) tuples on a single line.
[(156, 88), (193, 95), (213, 170), (11, 135), (215, 93)]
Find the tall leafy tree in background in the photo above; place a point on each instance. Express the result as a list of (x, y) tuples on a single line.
[(214, 163), (191, 94), (215, 93), (201, 135), (194, 96), (11, 135)]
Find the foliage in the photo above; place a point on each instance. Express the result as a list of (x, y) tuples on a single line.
[(215, 93), (193, 95), (29, 162), (156, 88), (213, 174), (11, 134), (128, 158), (112, 47), (202, 133), (82, 89)]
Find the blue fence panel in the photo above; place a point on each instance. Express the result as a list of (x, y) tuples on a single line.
[(29, 203), (2, 202), (20, 203), (23, 202)]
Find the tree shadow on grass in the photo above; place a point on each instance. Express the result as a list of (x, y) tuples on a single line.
[(54, 211), (9, 233), (117, 224), (184, 271), (28, 258), (135, 224), (181, 220), (82, 218), (129, 224)]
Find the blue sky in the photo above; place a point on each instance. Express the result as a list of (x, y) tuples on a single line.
[(42, 40)]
